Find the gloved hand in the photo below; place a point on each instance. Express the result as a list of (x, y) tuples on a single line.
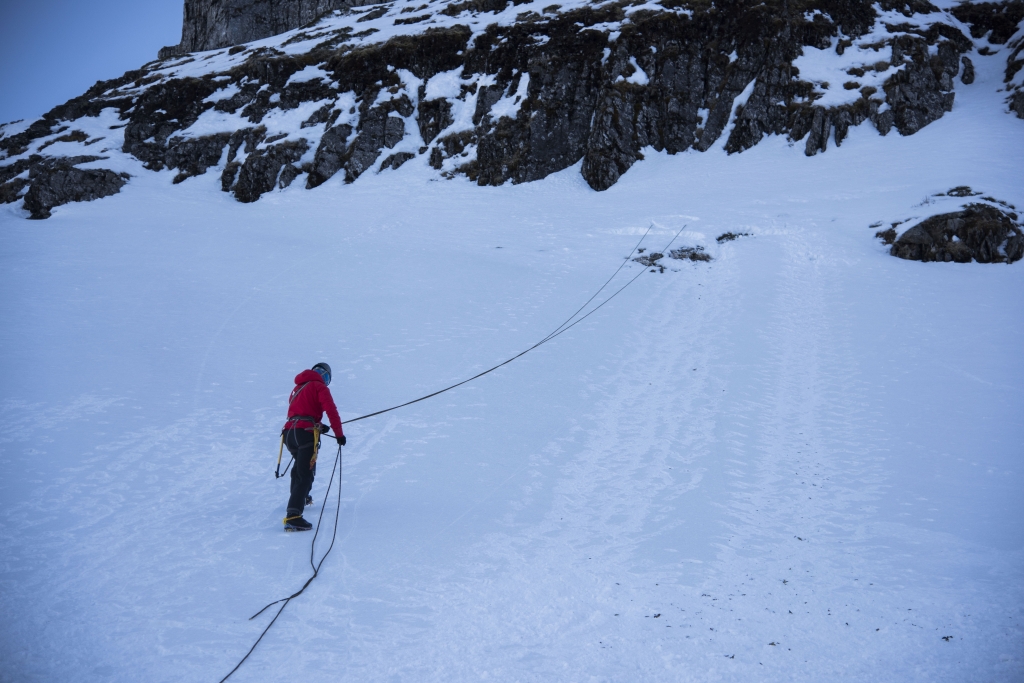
[(342, 440)]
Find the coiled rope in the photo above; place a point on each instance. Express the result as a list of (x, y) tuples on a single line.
[(561, 329)]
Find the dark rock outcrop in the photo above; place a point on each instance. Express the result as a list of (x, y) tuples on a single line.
[(998, 22), (967, 76), (14, 179), (53, 182), (545, 92), (331, 155), (921, 92), (1017, 103), (265, 169), (1014, 63), (979, 232)]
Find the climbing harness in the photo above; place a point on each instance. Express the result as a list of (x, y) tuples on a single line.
[(292, 421), (317, 427), (316, 444), (561, 329)]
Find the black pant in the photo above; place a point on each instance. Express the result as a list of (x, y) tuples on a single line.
[(300, 445)]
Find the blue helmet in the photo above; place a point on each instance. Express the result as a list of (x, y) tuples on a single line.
[(325, 371)]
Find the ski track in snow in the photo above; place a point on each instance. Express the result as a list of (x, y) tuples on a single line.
[(803, 457)]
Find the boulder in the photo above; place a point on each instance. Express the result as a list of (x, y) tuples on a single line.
[(53, 182), (979, 232), (967, 76)]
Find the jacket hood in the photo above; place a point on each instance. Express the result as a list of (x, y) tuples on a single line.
[(308, 376)]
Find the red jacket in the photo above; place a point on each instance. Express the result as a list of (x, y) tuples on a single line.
[(312, 400)]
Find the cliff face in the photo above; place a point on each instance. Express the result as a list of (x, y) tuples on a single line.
[(1000, 23), (213, 24), (502, 92)]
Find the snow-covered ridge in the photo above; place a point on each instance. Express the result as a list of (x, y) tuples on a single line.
[(497, 92)]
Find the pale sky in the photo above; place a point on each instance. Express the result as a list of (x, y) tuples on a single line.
[(53, 50)]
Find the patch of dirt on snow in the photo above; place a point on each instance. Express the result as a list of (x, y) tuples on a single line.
[(730, 236), (690, 253)]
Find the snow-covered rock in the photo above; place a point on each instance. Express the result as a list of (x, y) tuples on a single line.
[(979, 228), (514, 92)]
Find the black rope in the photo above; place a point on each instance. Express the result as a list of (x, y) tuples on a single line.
[(561, 329), (315, 566), (621, 265), (557, 331)]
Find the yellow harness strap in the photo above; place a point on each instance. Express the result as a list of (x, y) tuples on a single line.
[(316, 444)]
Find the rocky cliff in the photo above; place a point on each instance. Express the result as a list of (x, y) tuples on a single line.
[(213, 24), (1000, 24), (506, 91)]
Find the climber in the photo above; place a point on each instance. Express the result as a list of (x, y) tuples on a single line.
[(301, 433)]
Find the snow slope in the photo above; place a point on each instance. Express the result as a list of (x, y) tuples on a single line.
[(799, 461)]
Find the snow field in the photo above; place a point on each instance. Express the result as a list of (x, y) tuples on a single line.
[(804, 442)]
